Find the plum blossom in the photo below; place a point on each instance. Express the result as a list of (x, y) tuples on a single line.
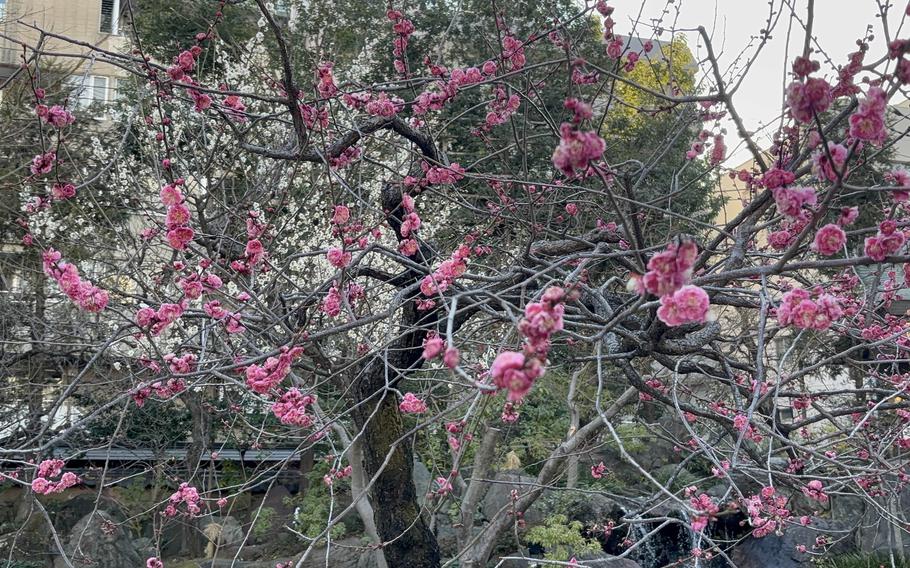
[(847, 216), (706, 510), (56, 116), (43, 163), (669, 270), (886, 242), (291, 408), (447, 273), (826, 168), (42, 484), (791, 200), (83, 293), (439, 175), (513, 50), (433, 345), (451, 357), (808, 99), (598, 471), (576, 150), (829, 240), (901, 178), (868, 121), (542, 319), (262, 379), (185, 494), (776, 177), (500, 108), (325, 84), (338, 258), (815, 490), (798, 309), (510, 372), (410, 404), (63, 191), (689, 304)]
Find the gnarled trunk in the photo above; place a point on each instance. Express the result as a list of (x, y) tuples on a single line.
[(407, 537)]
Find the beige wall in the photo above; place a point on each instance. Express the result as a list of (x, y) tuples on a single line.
[(735, 194), (76, 19)]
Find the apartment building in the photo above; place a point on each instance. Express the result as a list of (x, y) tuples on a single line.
[(97, 23)]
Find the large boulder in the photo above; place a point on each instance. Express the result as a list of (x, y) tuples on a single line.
[(873, 531), (499, 495), (99, 540), (603, 560), (223, 531), (781, 551), (423, 481)]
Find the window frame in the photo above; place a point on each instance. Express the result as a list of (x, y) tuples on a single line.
[(114, 18)]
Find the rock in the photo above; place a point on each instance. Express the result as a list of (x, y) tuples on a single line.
[(873, 532), (345, 553), (589, 509), (499, 495), (276, 499), (145, 547), (98, 540), (603, 560), (221, 532), (525, 562), (780, 551), (422, 481)]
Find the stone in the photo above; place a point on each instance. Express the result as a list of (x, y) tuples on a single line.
[(603, 560), (221, 532), (99, 540), (422, 481), (499, 495), (589, 509), (780, 551)]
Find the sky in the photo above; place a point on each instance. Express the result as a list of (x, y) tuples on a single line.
[(735, 25)]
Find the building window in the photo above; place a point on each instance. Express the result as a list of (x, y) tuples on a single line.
[(110, 17), (90, 89), (282, 8), (2, 9)]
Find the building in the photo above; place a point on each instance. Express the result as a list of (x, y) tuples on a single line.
[(97, 23)]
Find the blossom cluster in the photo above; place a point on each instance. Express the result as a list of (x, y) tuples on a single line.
[(162, 389), (444, 275), (254, 253), (56, 116), (263, 378), (767, 512), (668, 276), (809, 98), (706, 510), (516, 371), (410, 404), (886, 242), (42, 484), (403, 29), (291, 408), (577, 150), (797, 308), (868, 121), (177, 219), (83, 293), (185, 494), (156, 321)]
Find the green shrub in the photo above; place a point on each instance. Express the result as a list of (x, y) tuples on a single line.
[(562, 539)]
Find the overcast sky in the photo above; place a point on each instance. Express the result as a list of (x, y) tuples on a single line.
[(735, 24)]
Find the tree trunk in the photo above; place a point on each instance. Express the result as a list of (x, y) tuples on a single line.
[(399, 523), (408, 540)]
